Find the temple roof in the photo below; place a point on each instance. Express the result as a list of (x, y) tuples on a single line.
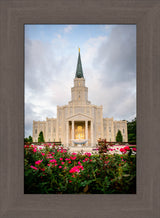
[(79, 70)]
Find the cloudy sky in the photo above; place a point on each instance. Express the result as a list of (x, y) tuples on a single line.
[(108, 54)]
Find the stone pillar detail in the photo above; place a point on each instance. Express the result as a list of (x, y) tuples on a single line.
[(91, 133), (72, 131), (67, 133), (86, 131)]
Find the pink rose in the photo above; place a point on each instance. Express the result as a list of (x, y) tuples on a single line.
[(38, 162), (127, 148), (53, 161), (74, 153), (123, 150), (88, 154), (73, 158), (34, 150), (35, 168), (76, 169)]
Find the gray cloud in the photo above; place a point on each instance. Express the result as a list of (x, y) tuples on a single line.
[(115, 66), (117, 54)]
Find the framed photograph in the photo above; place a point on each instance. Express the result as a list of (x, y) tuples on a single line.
[(14, 16), (80, 146)]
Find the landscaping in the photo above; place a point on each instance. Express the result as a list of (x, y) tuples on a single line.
[(53, 170)]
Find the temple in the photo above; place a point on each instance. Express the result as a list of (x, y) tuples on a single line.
[(79, 119)]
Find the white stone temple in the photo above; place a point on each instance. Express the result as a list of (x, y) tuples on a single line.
[(79, 120)]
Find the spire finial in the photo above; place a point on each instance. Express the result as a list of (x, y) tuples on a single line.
[(79, 71)]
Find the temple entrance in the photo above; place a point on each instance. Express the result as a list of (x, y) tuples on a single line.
[(79, 130)]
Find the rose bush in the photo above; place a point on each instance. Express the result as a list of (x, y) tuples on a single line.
[(54, 170)]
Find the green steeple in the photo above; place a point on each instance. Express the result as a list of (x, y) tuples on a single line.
[(79, 71)]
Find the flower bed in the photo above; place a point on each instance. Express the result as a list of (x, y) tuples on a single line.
[(53, 170)]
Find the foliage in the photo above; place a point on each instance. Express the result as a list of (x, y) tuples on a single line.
[(102, 146), (25, 140), (132, 131), (41, 138), (54, 170), (29, 139), (119, 137)]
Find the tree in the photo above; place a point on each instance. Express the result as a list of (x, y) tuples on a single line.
[(25, 140), (119, 137), (30, 139), (41, 138), (131, 126)]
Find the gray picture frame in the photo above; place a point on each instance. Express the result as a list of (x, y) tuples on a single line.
[(13, 15)]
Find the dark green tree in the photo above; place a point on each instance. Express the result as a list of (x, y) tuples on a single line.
[(131, 126), (119, 137), (30, 139), (25, 140), (41, 138)]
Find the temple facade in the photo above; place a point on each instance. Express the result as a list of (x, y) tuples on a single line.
[(79, 119)]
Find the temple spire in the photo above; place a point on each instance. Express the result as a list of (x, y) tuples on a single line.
[(79, 71)]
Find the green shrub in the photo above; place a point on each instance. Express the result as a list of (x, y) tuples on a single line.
[(41, 138), (119, 137)]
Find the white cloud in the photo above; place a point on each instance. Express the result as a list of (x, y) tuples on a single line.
[(68, 28), (59, 36)]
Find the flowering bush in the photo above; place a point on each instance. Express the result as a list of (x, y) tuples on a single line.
[(102, 146), (54, 170)]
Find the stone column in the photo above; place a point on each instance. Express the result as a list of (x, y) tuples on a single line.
[(72, 131), (91, 133), (86, 131), (67, 133)]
